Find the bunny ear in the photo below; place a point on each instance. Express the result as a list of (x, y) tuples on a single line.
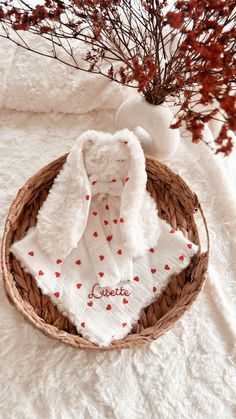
[(139, 223), (63, 216)]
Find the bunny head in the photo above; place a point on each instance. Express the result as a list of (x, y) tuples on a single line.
[(106, 158), (65, 211)]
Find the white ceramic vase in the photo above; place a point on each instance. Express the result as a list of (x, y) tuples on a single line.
[(151, 124)]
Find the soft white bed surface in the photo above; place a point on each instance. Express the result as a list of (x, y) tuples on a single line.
[(190, 372)]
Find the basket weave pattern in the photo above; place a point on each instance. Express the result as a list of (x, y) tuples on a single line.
[(176, 203)]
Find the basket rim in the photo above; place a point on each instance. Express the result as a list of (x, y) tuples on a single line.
[(30, 315)]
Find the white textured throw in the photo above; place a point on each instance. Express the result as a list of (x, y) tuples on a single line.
[(189, 372), (99, 250)]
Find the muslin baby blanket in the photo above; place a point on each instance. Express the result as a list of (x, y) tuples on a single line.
[(99, 249)]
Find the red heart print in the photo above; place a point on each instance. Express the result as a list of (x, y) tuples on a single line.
[(106, 222), (113, 180), (107, 207), (87, 197), (95, 213), (58, 261), (125, 301), (151, 250), (127, 179), (57, 294), (79, 285), (41, 273), (124, 324), (57, 274), (167, 268), (109, 238), (154, 289), (78, 262), (95, 234), (181, 257), (189, 246), (153, 270), (125, 142), (101, 257), (108, 307), (121, 220), (101, 274), (31, 253), (136, 278), (172, 231), (94, 182), (119, 252), (82, 324), (90, 303), (115, 221)]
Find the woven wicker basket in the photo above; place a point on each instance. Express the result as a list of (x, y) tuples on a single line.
[(176, 204)]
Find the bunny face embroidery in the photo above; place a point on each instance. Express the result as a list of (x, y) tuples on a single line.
[(106, 160)]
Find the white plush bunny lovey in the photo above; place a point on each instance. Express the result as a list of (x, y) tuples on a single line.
[(99, 249)]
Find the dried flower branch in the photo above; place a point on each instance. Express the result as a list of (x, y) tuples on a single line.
[(186, 52)]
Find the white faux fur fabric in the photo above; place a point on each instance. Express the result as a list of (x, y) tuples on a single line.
[(41, 78), (187, 373)]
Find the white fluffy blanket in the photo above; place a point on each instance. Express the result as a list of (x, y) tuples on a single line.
[(187, 373)]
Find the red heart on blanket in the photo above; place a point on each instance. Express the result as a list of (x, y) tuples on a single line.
[(125, 142), (181, 257), (95, 213), (58, 261), (82, 324), (125, 301), (90, 303), (154, 289), (115, 221), (108, 307), (87, 197), (151, 250), (107, 207), (94, 182), (153, 270), (57, 294), (79, 285), (127, 179), (166, 267), (119, 252), (172, 231), (101, 257), (101, 274), (124, 324), (31, 253), (78, 262), (109, 238), (106, 222), (136, 278), (121, 220), (41, 273), (113, 180), (95, 234), (189, 246), (57, 274)]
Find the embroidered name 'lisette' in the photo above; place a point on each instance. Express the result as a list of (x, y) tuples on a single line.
[(97, 292)]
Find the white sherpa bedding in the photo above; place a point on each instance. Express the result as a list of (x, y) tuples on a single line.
[(189, 372)]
